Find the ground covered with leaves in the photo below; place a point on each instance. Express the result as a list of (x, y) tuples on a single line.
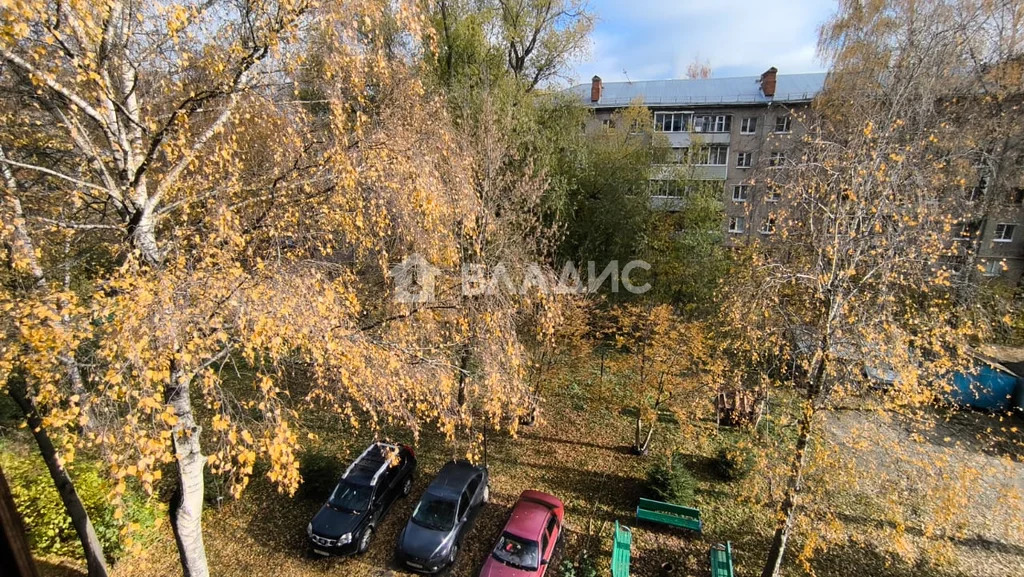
[(580, 451)]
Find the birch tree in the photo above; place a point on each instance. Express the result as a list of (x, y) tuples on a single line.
[(666, 364), (860, 277), (238, 226)]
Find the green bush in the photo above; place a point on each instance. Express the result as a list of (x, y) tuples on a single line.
[(671, 482), (584, 566), (733, 461), (320, 473), (49, 528)]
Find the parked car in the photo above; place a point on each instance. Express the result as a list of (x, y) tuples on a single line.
[(432, 537), (528, 539), (370, 485)]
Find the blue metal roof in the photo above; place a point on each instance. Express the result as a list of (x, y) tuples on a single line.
[(703, 91)]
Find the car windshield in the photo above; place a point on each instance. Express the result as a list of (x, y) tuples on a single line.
[(517, 552), (350, 497), (435, 513)]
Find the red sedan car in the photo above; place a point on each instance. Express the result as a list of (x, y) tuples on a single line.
[(528, 540)]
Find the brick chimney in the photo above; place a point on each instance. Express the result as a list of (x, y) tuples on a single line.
[(595, 89), (768, 82)]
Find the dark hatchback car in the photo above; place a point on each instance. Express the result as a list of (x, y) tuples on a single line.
[(432, 537), (370, 485)]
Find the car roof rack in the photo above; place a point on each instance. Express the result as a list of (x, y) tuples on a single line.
[(371, 464)]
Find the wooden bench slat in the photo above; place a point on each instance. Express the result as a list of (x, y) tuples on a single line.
[(621, 551), (721, 560), (669, 514), (660, 506)]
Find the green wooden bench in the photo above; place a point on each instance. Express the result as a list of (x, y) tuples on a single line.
[(669, 514), (721, 560), (620, 551)]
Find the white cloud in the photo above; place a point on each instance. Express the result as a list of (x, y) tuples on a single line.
[(655, 39)]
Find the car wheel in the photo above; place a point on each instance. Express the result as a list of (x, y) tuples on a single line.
[(487, 494), (364, 541), (407, 487)]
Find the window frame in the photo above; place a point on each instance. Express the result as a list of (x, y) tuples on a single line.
[(1005, 226), (741, 221), (704, 155), (787, 123), (749, 156), (768, 225), (687, 121), (988, 268), (748, 125), (719, 123), (745, 189), (966, 232), (777, 159), (659, 188)]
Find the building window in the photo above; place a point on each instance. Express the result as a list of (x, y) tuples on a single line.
[(748, 126), (966, 231), (777, 159), (671, 121), (992, 268), (740, 193), (768, 226), (1017, 196), (737, 224), (670, 188), (711, 155), (978, 191), (744, 160), (773, 194), (782, 123), (712, 123), (607, 123), (1004, 232), (677, 155)]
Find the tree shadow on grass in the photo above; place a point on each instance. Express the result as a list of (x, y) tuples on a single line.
[(618, 449), (616, 492), (975, 542), (50, 569), (702, 468), (865, 562)]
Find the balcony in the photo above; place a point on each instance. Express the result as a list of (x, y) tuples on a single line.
[(688, 172)]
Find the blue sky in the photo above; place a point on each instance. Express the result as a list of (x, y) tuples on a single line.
[(656, 39)]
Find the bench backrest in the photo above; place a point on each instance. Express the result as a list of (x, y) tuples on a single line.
[(670, 508), (721, 560), (621, 551)]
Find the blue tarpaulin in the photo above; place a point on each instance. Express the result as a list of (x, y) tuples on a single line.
[(991, 387)]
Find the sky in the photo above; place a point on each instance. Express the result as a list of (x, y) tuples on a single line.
[(657, 39)]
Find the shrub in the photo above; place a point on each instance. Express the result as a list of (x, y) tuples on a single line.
[(733, 461), (671, 482), (320, 473), (47, 523), (584, 566)]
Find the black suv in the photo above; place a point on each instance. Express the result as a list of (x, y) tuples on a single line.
[(430, 541), (345, 524)]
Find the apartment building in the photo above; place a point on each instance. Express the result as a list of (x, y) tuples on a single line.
[(727, 130), (721, 129)]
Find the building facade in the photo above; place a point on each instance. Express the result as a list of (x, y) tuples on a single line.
[(734, 132)]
